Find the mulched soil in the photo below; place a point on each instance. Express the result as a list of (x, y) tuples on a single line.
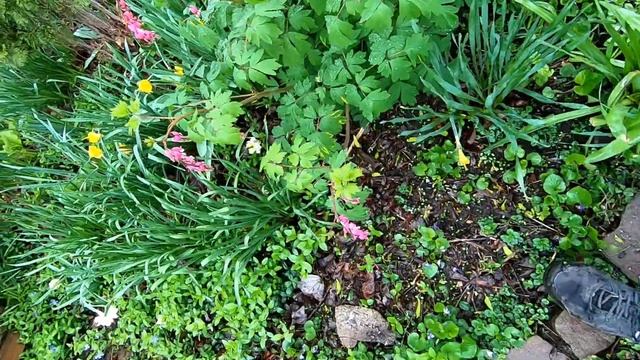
[(387, 160)]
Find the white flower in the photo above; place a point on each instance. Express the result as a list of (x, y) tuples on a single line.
[(107, 319), (54, 284), (253, 146)]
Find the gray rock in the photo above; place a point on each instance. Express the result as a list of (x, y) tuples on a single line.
[(624, 242), (354, 323), (582, 338), (536, 348), (299, 316), (312, 286)]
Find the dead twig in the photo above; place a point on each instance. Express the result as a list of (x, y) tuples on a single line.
[(355, 140), (347, 126), (471, 239)]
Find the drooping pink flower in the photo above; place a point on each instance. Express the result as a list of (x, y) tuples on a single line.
[(197, 166), (195, 11), (177, 137), (177, 155), (352, 229), (134, 25)]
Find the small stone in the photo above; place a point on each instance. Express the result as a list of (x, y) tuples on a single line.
[(299, 316), (536, 348), (624, 242), (583, 339), (354, 323), (312, 286)]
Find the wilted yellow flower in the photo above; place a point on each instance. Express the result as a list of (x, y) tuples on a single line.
[(149, 142), (145, 86), (95, 152), (124, 149), (93, 137), (463, 160), (178, 70)]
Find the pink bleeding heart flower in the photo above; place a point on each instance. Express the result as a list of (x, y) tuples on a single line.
[(195, 11), (177, 155), (352, 229), (134, 25), (177, 137), (197, 166)]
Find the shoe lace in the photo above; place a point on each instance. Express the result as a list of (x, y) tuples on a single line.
[(624, 304)]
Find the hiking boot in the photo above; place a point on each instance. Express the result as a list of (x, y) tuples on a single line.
[(596, 299)]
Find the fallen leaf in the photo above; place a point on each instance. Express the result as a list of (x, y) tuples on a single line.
[(507, 251), (487, 301), (368, 286)]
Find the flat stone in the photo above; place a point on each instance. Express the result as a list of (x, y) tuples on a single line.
[(583, 339), (624, 242), (312, 286), (354, 323), (536, 348)]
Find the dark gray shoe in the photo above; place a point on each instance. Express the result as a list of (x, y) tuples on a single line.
[(596, 299)]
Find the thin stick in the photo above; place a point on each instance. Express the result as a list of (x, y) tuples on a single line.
[(545, 225), (347, 129), (472, 239), (358, 135)]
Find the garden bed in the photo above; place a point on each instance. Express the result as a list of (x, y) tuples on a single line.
[(234, 180)]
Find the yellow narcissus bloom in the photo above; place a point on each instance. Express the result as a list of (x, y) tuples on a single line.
[(95, 152), (93, 137), (145, 86), (178, 70), (463, 160)]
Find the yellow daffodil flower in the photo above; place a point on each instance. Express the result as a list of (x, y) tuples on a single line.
[(93, 137), (145, 86), (178, 70), (95, 152), (463, 160)]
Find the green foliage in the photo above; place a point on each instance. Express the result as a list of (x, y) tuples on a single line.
[(44, 81), (202, 265), (217, 127), (439, 337), (503, 50), (509, 324), (142, 225), (187, 315), (622, 116), (619, 64), (27, 26), (323, 54), (439, 162), (431, 243)]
